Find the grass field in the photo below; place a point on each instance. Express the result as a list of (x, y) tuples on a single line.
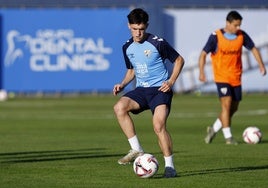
[(73, 142)]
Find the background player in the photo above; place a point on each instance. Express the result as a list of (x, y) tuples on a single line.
[(225, 46)]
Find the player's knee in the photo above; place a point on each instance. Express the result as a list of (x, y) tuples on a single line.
[(159, 129), (119, 108), (116, 108)]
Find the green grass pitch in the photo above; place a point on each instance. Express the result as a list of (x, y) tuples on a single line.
[(74, 142)]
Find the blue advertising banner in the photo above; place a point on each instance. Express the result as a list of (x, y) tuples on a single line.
[(61, 50)]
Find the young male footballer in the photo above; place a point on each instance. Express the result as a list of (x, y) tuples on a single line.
[(145, 55)]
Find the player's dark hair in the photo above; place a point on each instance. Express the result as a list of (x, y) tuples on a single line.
[(138, 16), (233, 15)]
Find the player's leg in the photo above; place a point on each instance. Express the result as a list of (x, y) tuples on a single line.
[(218, 124), (160, 103), (234, 107), (236, 93), (237, 97), (121, 110), (212, 131), (164, 139), (159, 123), (225, 117), (227, 94), (225, 114)]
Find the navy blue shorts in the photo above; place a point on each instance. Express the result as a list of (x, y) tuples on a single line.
[(149, 98), (225, 89)]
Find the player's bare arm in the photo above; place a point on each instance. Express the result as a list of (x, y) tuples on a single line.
[(178, 65), (202, 62), (130, 75), (258, 58)]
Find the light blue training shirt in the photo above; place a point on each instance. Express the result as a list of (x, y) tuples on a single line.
[(147, 58)]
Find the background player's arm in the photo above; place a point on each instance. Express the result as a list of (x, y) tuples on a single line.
[(202, 62), (258, 58)]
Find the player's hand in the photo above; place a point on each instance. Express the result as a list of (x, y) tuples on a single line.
[(117, 89), (263, 71), (202, 77), (166, 86)]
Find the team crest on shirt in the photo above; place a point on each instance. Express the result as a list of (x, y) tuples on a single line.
[(147, 53), (224, 90)]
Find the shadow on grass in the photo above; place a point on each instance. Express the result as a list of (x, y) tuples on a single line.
[(264, 142), (54, 155), (223, 170), (215, 171)]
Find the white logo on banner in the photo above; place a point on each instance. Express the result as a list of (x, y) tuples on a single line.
[(57, 50)]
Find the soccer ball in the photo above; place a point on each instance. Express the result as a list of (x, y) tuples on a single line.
[(252, 135), (145, 166)]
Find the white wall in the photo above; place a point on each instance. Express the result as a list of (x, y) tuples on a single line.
[(192, 28)]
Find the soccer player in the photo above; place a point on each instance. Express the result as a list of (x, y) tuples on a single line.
[(225, 46), (145, 55)]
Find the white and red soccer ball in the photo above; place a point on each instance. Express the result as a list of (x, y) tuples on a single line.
[(145, 166), (252, 135)]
